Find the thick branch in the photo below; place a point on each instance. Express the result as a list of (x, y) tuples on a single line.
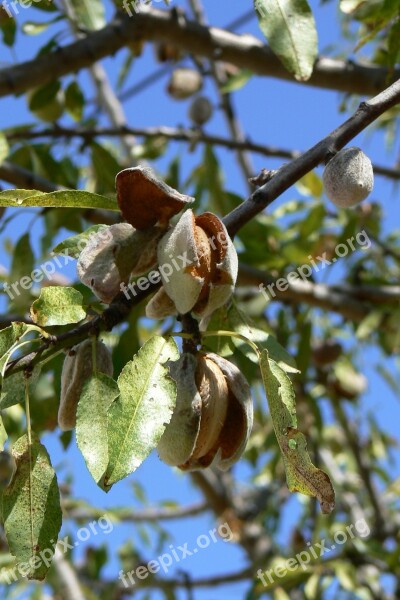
[(245, 51), (287, 175), (352, 302)]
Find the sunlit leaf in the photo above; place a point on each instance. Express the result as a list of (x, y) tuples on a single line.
[(58, 306), (91, 422), (31, 508), (90, 14), (289, 27), (60, 199), (4, 147), (74, 245), (138, 417), (302, 476)]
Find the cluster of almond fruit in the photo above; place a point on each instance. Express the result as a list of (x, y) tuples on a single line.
[(213, 415)]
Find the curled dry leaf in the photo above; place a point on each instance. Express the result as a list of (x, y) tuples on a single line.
[(145, 200), (77, 369), (202, 263), (114, 254), (213, 417)]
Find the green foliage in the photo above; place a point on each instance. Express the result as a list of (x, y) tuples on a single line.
[(137, 419), (302, 475), (316, 430), (31, 509), (289, 27), (58, 306), (68, 198), (92, 423)]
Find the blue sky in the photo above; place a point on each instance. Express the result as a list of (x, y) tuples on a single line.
[(271, 111)]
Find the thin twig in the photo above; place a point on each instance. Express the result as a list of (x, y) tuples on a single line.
[(220, 78), (79, 513), (290, 173), (177, 134)]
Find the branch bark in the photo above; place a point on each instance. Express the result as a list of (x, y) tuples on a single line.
[(288, 174), (177, 134), (80, 513), (245, 51)]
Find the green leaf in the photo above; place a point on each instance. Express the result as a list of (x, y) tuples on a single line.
[(19, 278), (370, 324), (237, 81), (58, 306), (76, 243), (302, 476), (4, 147), (74, 101), (44, 95), (13, 388), (91, 422), (289, 27), (10, 339), (241, 323), (10, 336), (105, 166), (310, 185), (8, 27), (137, 419), (34, 27), (3, 434), (60, 199), (31, 508), (90, 14)]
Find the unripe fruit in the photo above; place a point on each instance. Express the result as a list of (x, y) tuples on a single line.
[(348, 177), (184, 83), (206, 279), (77, 369), (115, 253), (326, 353), (213, 416), (200, 111)]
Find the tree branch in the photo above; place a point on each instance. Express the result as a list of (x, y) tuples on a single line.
[(177, 134), (79, 513), (245, 51), (352, 302), (24, 179), (220, 78), (288, 174), (281, 181), (67, 578)]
